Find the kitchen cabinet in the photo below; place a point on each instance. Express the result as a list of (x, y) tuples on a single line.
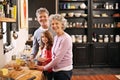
[(81, 55), (94, 25), (99, 55), (105, 22), (114, 54)]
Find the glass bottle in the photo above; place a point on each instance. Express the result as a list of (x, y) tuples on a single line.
[(8, 8), (94, 37), (79, 38), (106, 5), (112, 25), (70, 25), (116, 6), (73, 38), (106, 39), (84, 38), (117, 38), (100, 38), (95, 25), (85, 24), (111, 38)]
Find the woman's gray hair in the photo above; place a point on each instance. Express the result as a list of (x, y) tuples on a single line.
[(60, 18), (40, 10)]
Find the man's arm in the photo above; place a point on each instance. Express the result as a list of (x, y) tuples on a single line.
[(35, 47)]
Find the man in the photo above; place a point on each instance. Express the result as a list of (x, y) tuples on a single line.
[(42, 15)]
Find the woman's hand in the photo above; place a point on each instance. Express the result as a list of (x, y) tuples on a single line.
[(41, 68)]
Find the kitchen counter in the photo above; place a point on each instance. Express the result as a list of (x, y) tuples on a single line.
[(24, 74)]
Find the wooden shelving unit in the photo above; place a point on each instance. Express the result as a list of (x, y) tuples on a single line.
[(5, 20), (93, 53)]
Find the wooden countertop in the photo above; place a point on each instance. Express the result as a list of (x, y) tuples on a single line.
[(24, 74), (7, 20)]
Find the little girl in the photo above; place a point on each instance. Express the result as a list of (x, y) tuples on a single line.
[(46, 55)]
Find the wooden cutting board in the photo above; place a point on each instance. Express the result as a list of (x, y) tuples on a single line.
[(26, 74), (23, 74)]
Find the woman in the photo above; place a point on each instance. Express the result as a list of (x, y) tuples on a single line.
[(61, 51), (46, 55)]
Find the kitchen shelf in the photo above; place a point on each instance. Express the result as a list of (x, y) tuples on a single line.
[(102, 9), (74, 17), (73, 9), (106, 17), (104, 1), (7, 20), (63, 1), (93, 53)]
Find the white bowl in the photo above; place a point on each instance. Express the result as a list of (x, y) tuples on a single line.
[(71, 14), (77, 14), (84, 15), (63, 14)]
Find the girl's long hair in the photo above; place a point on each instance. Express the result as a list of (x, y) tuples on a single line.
[(50, 40)]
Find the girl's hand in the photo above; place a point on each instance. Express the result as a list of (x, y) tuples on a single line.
[(41, 59)]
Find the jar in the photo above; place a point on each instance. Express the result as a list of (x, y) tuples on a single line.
[(13, 57), (101, 25), (84, 38), (79, 38), (116, 6), (68, 6), (73, 38), (100, 38), (74, 25), (106, 5), (98, 25), (117, 38), (64, 6), (77, 24), (110, 6), (111, 38), (95, 25), (70, 25), (106, 39), (85, 24), (112, 25)]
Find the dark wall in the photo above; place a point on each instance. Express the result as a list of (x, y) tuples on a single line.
[(33, 6)]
